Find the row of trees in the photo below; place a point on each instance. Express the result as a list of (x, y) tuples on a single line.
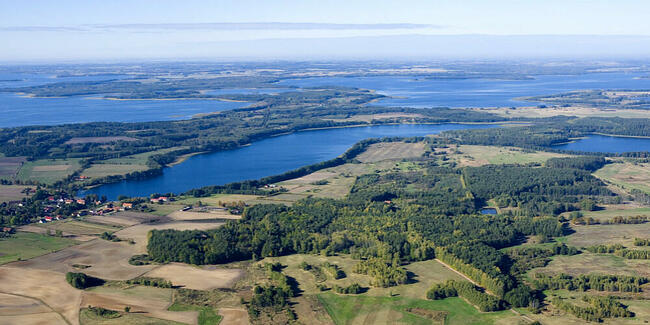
[(601, 307), (622, 283)]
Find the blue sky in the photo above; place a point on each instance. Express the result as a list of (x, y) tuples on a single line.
[(136, 29)]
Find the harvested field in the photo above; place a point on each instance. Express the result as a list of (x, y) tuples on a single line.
[(586, 263), (608, 234), (18, 305), (88, 318), (198, 278), (78, 228), (142, 303), (9, 166), (107, 260), (470, 155), (622, 210), (58, 295), (214, 200), (381, 116), (233, 316), (193, 215), (11, 192), (392, 150), (81, 140), (47, 318), (580, 111)]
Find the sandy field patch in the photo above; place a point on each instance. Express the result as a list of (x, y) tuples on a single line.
[(81, 140), (127, 218), (57, 294), (579, 111), (194, 215), (144, 306), (608, 234), (108, 260), (17, 305), (198, 278), (233, 316), (50, 318), (391, 150)]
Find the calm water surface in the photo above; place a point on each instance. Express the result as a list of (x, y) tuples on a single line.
[(264, 158), (17, 110), (421, 92), (602, 143)]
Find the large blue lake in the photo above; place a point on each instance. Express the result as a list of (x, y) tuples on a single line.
[(16, 110), (408, 91), (423, 92), (264, 158), (602, 143)]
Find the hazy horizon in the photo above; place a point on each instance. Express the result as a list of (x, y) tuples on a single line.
[(72, 30)]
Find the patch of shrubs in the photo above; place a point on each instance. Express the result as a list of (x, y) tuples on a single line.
[(82, 281)]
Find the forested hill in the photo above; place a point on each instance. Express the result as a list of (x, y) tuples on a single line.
[(404, 216)]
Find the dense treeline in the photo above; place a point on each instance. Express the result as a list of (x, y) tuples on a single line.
[(150, 282), (601, 307), (483, 301), (603, 249), (527, 258), (634, 254), (534, 191), (586, 163), (584, 282)]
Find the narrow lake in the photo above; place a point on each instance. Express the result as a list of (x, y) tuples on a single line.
[(603, 143), (264, 158)]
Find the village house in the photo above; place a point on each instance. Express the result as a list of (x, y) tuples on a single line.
[(81, 201), (127, 206)]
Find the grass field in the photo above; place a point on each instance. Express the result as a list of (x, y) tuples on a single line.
[(627, 175), (24, 245), (349, 309), (207, 315), (103, 170), (48, 171)]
